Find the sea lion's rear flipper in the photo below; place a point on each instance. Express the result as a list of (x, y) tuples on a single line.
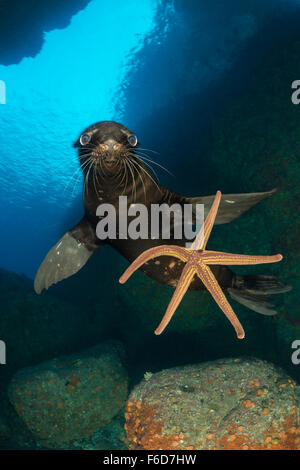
[(67, 256), (231, 205), (254, 292)]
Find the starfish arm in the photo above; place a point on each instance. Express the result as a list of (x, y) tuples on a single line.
[(202, 238), (213, 287), (182, 286), (162, 250), (217, 257)]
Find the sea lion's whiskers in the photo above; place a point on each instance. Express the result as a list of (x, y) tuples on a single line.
[(76, 180), (96, 172), (117, 176), (87, 153), (133, 188), (95, 178), (73, 175), (86, 189), (101, 167), (143, 156), (136, 157), (100, 171), (119, 165), (126, 173), (89, 171), (84, 177), (84, 155), (141, 178), (149, 166), (135, 170), (149, 150), (85, 164), (146, 156), (147, 173), (75, 185), (70, 179), (121, 173), (93, 175), (63, 164), (98, 168)]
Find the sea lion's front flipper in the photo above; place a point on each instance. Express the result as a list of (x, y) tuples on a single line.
[(231, 205), (67, 256)]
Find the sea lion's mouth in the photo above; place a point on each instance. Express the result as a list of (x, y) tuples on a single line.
[(110, 161)]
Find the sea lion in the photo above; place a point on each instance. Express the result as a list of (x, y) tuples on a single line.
[(114, 164)]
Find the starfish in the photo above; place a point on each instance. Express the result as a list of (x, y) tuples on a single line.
[(197, 261)]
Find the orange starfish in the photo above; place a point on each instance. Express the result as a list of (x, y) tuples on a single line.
[(197, 260)]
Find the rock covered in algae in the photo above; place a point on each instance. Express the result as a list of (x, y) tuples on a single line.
[(70, 397), (225, 404)]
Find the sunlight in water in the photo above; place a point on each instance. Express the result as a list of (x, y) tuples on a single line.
[(72, 83)]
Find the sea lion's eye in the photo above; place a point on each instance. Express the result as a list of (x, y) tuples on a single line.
[(85, 139), (132, 139)]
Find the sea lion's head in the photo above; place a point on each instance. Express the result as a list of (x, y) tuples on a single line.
[(105, 147), (111, 158)]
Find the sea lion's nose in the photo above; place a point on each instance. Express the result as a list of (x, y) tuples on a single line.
[(111, 145)]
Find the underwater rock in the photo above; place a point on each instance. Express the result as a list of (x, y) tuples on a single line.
[(226, 404), (110, 437), (31, 19), (70, 397)]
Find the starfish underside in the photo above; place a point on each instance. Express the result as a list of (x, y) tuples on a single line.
[(197, 260)]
